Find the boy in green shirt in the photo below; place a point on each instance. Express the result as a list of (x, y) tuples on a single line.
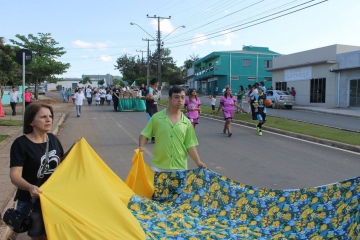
[(175, 136)]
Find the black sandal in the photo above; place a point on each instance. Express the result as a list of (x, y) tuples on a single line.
[(229, 134)]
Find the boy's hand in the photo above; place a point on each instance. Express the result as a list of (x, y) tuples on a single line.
[(201, 164)]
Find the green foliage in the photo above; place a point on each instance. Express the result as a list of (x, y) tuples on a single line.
[(132, 68), (59, 87), (8, 67), (116, 81), (86, 80), (101, 82), (44, 64), (140, 80)]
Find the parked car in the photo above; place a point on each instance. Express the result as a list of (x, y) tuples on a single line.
[(186, 88), (279, 97), (41, 90)]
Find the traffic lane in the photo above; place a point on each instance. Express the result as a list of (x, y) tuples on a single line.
[(326, 119), (272, 160)]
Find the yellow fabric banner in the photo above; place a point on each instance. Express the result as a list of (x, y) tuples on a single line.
[(85, 199), (141, 177)]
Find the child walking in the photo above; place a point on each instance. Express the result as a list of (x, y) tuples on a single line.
[(108, 98), (192, 107), (97, 98), (259, 109), (213, 102)]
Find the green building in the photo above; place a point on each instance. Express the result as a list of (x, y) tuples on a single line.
[(235, 68)]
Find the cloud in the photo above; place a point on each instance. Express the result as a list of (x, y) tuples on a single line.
[(165, 26), (84, 57), (227, 41), (199, 38), (105, 58), (82, 44), (87, 45)]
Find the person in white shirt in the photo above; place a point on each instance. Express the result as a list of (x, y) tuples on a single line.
[(88, 95), (97, 98), (102, 96), (79, 101), (108, 98), (224, 90), (14, 98)]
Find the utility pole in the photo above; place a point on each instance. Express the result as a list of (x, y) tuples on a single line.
[(148, 62), (158, 45), (142, 59)]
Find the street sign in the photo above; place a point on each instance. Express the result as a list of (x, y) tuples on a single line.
[(19, 56)]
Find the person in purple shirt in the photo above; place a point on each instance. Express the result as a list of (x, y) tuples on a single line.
[(192, 107), (227, 103)]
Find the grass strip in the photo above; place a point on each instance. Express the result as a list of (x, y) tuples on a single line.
[(333, 134), (3, 137), (4, 122)]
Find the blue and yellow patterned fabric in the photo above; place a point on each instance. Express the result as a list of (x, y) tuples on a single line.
[(201, 204)]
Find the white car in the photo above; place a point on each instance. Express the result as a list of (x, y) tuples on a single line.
[(279, 97), (41, 90)]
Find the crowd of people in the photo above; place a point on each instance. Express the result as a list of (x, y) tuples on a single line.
[(35, 155)]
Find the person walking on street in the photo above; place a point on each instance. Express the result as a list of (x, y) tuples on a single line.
[(27, 97), (151, 101), (79, 101), (63, 94), (260, 109), (293, 92), (27, 163), (108, 98), (14, 98), (115, 97), (88, 95), (102, 95), (213, 102), (175, 136), (227, 103), (240, 97), (192, 107), (68, 92)]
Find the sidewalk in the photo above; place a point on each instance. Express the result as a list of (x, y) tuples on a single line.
[(7, 189), (352, 112)]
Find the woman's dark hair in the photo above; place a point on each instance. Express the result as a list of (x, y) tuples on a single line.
[(30, 111), (190, 91), (175, 89), (241, 88), (225, 93)]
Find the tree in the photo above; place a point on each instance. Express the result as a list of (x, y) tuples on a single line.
[(86, 80), (8, 67), (101, 82), (129, 67), (116, 81), (44, 64), (175, 78), (189, 63)]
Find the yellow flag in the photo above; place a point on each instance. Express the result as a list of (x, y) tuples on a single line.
[(85, 199), (141, 177)]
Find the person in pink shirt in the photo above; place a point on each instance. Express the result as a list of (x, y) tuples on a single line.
[(192, 107), (27, 97), (227, 103)]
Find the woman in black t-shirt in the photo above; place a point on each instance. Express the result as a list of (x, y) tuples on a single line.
[(27, 158)]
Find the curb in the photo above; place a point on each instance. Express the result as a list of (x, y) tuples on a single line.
[(5, 232), (344, 146)]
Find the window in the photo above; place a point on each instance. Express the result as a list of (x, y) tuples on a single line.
[(355, 93), (246, 63), (317, 90), (268, 64), (269, 79), (280, 86)]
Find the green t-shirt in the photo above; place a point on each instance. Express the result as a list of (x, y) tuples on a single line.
[(240, 95), (172, 140)]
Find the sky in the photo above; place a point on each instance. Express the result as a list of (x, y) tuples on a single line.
[(95, 34)]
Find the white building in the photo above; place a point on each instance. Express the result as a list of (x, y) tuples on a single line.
[(326, 77)]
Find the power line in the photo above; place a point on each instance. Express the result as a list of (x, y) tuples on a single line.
[(230, 31)]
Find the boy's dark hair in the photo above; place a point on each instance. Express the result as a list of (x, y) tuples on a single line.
[(175, 89), (153, 81)]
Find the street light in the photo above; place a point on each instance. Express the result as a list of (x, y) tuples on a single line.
[(183, 26), (143, 30)]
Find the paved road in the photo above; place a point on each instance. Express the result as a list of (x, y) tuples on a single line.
[(269, 161), (273, 160), (326, 119)]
